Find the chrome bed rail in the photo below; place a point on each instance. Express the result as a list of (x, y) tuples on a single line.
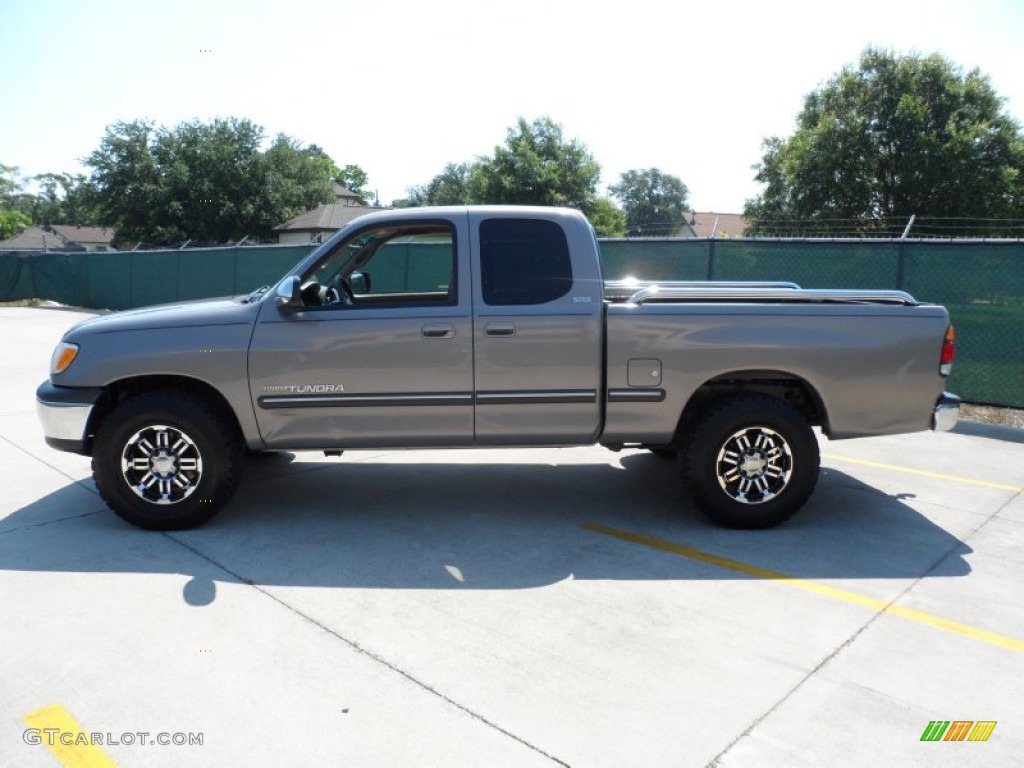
[(752, 293)]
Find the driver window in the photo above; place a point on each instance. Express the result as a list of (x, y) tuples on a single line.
[(392, 265)]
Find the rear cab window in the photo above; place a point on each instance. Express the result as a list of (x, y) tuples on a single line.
[(523, 262)]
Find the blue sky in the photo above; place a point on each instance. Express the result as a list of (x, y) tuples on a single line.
[(402, 88)]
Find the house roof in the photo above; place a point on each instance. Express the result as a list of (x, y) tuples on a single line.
[(712, 224), (35, 239), (327, 217), (79, 234), (345, 194)]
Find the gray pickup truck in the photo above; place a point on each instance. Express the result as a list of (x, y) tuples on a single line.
[(491, 327)]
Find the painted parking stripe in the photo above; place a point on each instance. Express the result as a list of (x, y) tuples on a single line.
[(975, 633), (925, 473), (78, 753)]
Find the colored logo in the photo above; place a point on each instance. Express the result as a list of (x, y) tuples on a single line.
[(958, 730)]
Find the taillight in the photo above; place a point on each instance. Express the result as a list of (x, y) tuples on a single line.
[(948, 352)]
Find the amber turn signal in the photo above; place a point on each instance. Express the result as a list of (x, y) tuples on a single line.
[(63, 356)]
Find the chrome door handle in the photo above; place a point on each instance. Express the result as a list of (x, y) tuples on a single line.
[(500, 329)]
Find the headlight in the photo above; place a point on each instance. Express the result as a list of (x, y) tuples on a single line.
[(63, 356)]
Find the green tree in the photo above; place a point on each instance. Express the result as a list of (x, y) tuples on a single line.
[(355, 179), (449, 187), (11, 218), (64, 199), (127, 180), (208, 182), (654, 202), (293, 179), (537, 166), (11, 222), (895, 136), (608, 219), (9, 183)]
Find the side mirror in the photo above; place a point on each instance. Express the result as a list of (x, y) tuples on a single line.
[(359, 282), (288, 294)]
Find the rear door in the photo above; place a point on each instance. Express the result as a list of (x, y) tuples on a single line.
[(537, 331)]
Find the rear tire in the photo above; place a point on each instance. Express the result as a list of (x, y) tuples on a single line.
[(166, 461), (750, 462)]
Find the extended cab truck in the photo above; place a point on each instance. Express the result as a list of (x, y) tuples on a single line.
[(486, 327)]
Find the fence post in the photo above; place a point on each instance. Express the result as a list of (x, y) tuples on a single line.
[(900, 256), (711, 259)]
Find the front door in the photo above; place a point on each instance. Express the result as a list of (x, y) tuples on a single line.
[(381, 352)]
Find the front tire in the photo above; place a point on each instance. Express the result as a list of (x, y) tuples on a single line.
[(166, 461), (750, 462)]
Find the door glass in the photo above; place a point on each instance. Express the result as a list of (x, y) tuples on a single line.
[(389, 266), (523, 261)]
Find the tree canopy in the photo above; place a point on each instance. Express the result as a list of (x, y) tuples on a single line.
[(63, 198), (894, 137), (654, 202), (355, 180), (449, 187), (208, 182), (537, 165), (11, 219)]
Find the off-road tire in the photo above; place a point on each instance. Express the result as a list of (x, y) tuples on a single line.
[(166, 460), (750, 462)]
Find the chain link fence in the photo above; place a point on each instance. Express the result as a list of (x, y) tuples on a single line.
[(980, 282)]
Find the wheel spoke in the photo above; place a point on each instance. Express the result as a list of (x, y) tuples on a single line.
[(754, 465), (161, 464)]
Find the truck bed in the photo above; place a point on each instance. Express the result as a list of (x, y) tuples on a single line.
[(866, 358)]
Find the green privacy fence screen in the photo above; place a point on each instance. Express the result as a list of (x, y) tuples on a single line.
[(982, 283), (127, 279)]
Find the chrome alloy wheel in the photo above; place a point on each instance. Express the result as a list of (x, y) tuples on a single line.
[(754, 465), (161, 464)]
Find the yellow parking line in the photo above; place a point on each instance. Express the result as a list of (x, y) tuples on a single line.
[(983, 635), (925, 473), (55, 727)]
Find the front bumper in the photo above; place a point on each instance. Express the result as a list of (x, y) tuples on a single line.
[(64, 413), (946, 413)]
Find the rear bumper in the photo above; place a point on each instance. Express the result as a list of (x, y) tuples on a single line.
[(64, 414), (946, 413)]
